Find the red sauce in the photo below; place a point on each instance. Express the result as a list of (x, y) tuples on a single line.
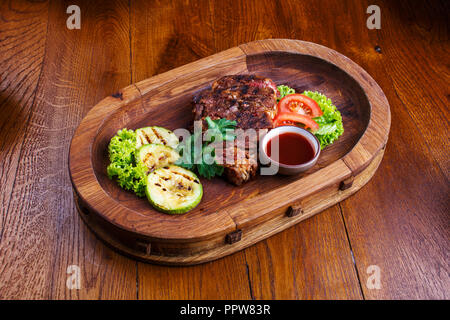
[(293, 149)]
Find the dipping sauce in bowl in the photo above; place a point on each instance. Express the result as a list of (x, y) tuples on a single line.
[(293, 149), (290, 148)]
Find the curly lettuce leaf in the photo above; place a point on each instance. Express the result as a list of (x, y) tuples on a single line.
[(284, 91), (330, 123), (130, 175)]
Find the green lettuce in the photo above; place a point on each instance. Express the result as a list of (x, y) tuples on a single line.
[(284, 91), (330, 123), (130, 175)]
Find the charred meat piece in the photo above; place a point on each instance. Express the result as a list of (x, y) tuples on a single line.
[(248, 99), (240, 164)]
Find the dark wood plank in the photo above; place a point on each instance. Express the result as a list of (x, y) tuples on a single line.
[(224, 206), (23, 31), (417, 157), (415, 43), (347, 34), (407, 200), (169, 34), (399, 221), (402, 228), (221, 279), (175, 34), (297, 20), (42, 233), (309, 261), (189, 40)]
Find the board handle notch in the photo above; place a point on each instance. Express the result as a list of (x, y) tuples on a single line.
[(295, 210), (145, 247), (234, 236), (347, 183)]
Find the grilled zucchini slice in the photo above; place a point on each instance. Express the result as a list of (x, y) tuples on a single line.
[(156, 135), (173, 189), (155, 156)]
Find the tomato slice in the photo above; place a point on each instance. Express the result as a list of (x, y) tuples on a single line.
[(287, 118), (300, 104)]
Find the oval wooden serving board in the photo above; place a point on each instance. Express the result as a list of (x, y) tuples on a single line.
[(229, 218)]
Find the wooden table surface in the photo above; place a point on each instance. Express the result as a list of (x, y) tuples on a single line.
[(50, 76)]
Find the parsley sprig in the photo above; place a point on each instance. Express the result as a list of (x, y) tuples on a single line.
[(200, 155)]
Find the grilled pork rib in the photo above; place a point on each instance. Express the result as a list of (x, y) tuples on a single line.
[(249, 100)]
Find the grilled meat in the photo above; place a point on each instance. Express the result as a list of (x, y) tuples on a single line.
[(250, 101), (244, 168), (239, 159)]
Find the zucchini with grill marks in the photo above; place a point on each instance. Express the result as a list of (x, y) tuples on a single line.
[(173, 189), (154, 156), (156, 135)]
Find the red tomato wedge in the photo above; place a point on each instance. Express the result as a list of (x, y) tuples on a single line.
[(300, 104), (287, 118)]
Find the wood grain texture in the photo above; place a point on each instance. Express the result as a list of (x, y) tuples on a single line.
[(175, 35), (412, 222), (196, 282), (286, 266), (248, 230), (42, 211), (24, 30), (412, 215), (268, 264), (423, 26), (405, 232), (203, 232)]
